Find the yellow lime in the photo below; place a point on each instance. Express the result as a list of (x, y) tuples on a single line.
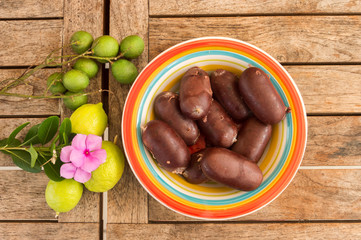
[(89, 119), (63, 196), (107, 174)]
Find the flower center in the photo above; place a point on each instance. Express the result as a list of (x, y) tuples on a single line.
[(86, 152)]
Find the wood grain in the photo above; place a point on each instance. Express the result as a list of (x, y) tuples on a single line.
[(31, 8), (314, 194), (7, 125), (333, 141), (301, 39), (35, 85), (86, 16), (215, 231), (232, 7), (127, 201), (23, 196), (61, 231), (329, 89), (28, 42)]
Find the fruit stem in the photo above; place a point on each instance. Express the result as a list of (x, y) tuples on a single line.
[(115, 139)]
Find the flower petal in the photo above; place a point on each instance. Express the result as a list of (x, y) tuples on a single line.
[(93, 142), (67, 170), (79, 142), (81, 175), (77, 157), (91, 163), (65, 153), (101, 154)]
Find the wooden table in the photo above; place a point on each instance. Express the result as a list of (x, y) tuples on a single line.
[(318, 42)]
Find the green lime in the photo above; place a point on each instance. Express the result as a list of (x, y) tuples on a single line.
[(105, 46), (54, 83), (81, 41), (89, 119), (75, 80), (88, 66), (63, 196), (109, 173), (132, 46), (76, 101), (124, 71)]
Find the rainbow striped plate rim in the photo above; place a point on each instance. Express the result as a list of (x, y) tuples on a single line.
[(212, 201)]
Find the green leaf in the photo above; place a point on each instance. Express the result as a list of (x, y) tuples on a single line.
[(33, 155), (14, 143), (64, 131), (3, 142), (32, 136), (52, 170), (22, 159), (48, 129), (12, 136)]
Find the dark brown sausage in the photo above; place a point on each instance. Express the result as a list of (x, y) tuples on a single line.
[(166, 146), (252, 139), (225, 88), (195, 93), (166, 106), (261, 96), (193, 173), (217, 127), (232, 169)]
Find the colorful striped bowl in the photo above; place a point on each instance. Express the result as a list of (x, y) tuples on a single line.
[(213, 201)]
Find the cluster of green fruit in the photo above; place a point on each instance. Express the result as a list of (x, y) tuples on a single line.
[(103, 49)]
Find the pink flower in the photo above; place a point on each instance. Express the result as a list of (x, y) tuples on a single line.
[(82, 157)]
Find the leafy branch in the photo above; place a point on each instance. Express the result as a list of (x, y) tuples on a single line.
[(40, 149)]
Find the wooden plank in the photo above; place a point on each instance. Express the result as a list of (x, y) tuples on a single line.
[(28, 42), (87, 16), (41, 230), (329, 89), (314, 194), (333, 141), (7, 125), (214, 231), (35, 85), (31, 9), (127, 201), (232, 7), (298, 39), (23, 196)]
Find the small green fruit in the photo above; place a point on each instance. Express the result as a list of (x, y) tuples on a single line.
[(63, 196), (132, 46), (81, 41), (54, 83), (105, 46), (75, 80), (88, 66), (76, 101), (124, 71)]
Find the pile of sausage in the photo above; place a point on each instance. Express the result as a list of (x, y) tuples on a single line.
[(227, 119)]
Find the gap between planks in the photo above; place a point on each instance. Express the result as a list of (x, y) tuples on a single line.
[(253, 15), (35, 18)]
